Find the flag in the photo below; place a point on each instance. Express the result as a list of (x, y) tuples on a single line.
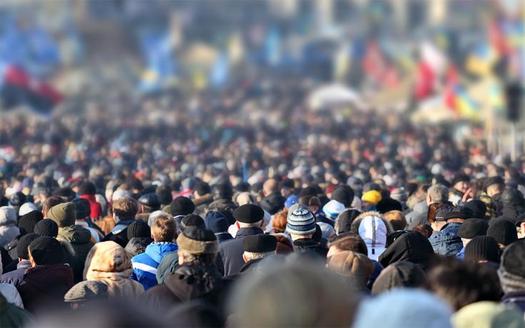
[(482, 60), (220, 71), (160, 62)]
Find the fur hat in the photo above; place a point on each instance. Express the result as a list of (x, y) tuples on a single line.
[(196, 240)]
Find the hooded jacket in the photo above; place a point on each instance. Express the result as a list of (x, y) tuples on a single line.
[(8, 229), (43, 285), (109, 263), (412, 247), (145, 265), (77, 243), (373, 229)]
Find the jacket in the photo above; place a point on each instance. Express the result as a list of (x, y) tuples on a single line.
[(11, 315), (119, 233), (44, 285), (167, 266), (94, 206), (109, 263), (230, 252), (515, 298), (412, 247), (136, 245), (11, 294), (447, 242), (77, 243), (15, 277), (145, 264), (189, 282)]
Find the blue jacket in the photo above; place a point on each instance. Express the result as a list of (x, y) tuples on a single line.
[(447, 242), (145, 264)]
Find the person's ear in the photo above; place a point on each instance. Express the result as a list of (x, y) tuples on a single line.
[(244, 258), (31, 259)]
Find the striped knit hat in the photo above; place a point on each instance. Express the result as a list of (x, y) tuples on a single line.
[(301, 222)]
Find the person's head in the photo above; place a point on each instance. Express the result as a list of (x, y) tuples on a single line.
[(202, 189), (315, 297), (494, 186), (192, 220), (164, 229), (461, 182), (270, 186), (348, 241), (82, 208), (22, 251), (249, 215), (105, 258), (472, 228), (410, 246), (344, 220), (86, 292), (510, 272), (258, 247), (286, 187), (401, 274), (149, 203), (45, 251), (87, 188), (482, 249), (125, 209), (355, 266), (197, 245), (300, 224), (373, 229), (504, 231), (138, 229), (50, 202), (164, 195), (520, 227), (332, 209), (27, 222), (440, 217), (344, 194), (462, 283), (370, 199), (181, 206), (46, 227), (437, 193), (489, 315), (279, 221), (63, 214), (396, 219)]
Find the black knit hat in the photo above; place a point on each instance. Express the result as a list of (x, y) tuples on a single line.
[(46, 227), (513, 258), (477, 207), (46, 251), (472, 228), (23, 244), (248, 213), (28, 221), (504, 231), (138, 229), (344, 194), (192, 220), (259, 243), (82, 208), (482, 248), (181, 206)]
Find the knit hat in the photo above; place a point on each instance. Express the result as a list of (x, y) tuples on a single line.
[(503, 231), (511, 272), (216, 221), (332, 209), (7, 215), (488, 315), (46, 227), (372, 197), (477, 207), (85, 291), (23, 244), (344, 220), (248, 213), (27, 222), (46, 251), (27, 208), (82, 208), (63, 214), (181, 206), (401, 306), (399, 274), (196, 240), (482, 248), (472, 228), (138, 229), (300, 221), (192, 220), (344, 194)]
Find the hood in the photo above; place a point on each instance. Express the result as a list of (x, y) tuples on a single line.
[(193, 281), (157, 250), (373, 229), (411, 246), (74, 234), (400, 274), (107, 257)]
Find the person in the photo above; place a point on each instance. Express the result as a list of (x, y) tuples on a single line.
[(11, 294), (85, 293), (124, 211), (412, 247), (305, 233), (139, 236), (216, 222), (249, 219), (397, 219), (370, 199), (344, 220), (8, 228), (48, 279), (109, 263), (46, 227), (164, 234), (75, 239), (87, 191), (315, 297), (196, 277), (256, 248), (12, 315), (273, 201), (491, 195), (487, 314), (469, 229), (463, 283), (460, 185), (503, 231), (83, 219), (483, 249), (445, 239), (148, 203), (16, 276), (202, 198), (512, 275), (28, 220), (357, 267), (402, 274)]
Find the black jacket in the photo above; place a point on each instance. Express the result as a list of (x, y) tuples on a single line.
[(230, 252), (119, 234), (412, 247)]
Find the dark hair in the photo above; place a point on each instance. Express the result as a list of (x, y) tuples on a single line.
[(463, 283), (87, 188)]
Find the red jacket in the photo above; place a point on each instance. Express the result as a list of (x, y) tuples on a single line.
[(94, 206)]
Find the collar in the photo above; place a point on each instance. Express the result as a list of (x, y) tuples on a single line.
[(243, 232)]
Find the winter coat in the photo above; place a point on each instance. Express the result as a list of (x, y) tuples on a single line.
[(447, 242), (145, 264), (119, 233), (136, 245), (167, 266), (230, 252), (15, 277), (516, 298), (8, 228), (189, 282), (412, 247), (11, 294), (94, 206), (77, 243), (11, 315), (223, 236), (109, 263), (45, 285)]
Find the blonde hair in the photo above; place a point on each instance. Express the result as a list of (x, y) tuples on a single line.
[(164, 229)]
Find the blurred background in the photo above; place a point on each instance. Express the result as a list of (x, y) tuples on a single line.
[(454, 62)]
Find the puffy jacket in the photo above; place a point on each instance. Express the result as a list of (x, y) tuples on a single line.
[(145, 265), (77, 243), (447, 242)]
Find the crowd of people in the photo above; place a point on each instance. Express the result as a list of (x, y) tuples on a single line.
[(244, 208)]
